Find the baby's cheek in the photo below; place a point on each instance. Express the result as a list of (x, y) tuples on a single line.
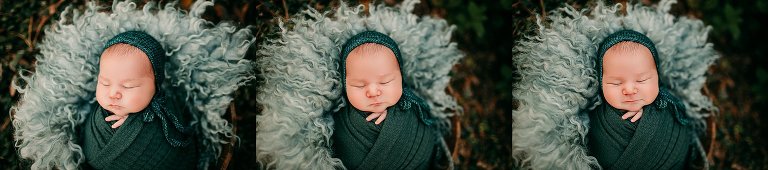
[(355, 97), (101, 96), (612, 95), (394, 92), (353, 93), (138, 100), (651, 92)]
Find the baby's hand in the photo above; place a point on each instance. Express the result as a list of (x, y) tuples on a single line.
[(635, 115), (120, 120), (381, 116)]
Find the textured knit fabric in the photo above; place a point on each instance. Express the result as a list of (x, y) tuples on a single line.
[(134, 145), (655, 141), (205, 65), (399, 142), (301, 88)]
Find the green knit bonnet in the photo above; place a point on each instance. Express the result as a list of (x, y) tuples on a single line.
[(408, 98), (158, 107), (622, 36), (146, 44), (664, 99)]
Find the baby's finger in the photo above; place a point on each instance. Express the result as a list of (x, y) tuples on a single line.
[(637, 116), (118, 123), (112, 118), (627, 115), (372, 116), (381, 118)]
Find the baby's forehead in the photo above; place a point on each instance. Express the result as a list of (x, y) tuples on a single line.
[(371, 58), (628, 46), (369, 48), (370, 51), (629, 56), (125, 57), (622, 50), (121, 49)]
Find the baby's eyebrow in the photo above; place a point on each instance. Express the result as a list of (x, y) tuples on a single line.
[(387, 75), (643, 74), (354, 80), (646, 73), (102, 77), (130, 80)]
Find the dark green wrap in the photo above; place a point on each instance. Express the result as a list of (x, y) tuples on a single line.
[(655, 141), (405, 140), (400, 142), (154, 138), (660, 139), (134, 145)]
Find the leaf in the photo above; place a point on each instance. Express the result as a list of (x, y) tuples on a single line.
[(733, 20), (477, 17)]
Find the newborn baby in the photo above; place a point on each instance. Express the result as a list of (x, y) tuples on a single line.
[(133, 127), (372, 78), (629, 83), (126, 82), (630, 79), (374, 81)]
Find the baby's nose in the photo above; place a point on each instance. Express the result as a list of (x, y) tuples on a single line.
[(115, 94), (629, 89), (373, 91)]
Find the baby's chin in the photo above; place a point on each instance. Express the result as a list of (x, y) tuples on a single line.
[(375, 109), (116, 111), (630, 108)]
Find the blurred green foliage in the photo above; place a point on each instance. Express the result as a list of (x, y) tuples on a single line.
[(738, 83), (16, 21)]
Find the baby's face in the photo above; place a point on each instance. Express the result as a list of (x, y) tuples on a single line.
[(126, 82), (630, 79), (374, 81)]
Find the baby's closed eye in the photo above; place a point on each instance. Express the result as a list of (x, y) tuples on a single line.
[(387, 82), (103, 83), (644, 80), (130, 86)]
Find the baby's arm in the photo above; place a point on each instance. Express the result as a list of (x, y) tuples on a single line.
[(381, 116), (635, 115), (120, 120)]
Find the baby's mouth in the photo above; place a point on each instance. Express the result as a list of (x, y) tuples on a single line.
[(377, 104), (632, 101), (114, 106)]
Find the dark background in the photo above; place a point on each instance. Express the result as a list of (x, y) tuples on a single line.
[(481, 82)]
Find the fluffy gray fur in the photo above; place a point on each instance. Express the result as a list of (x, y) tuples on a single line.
[(558, 82), (301, 85), (205, 67)]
